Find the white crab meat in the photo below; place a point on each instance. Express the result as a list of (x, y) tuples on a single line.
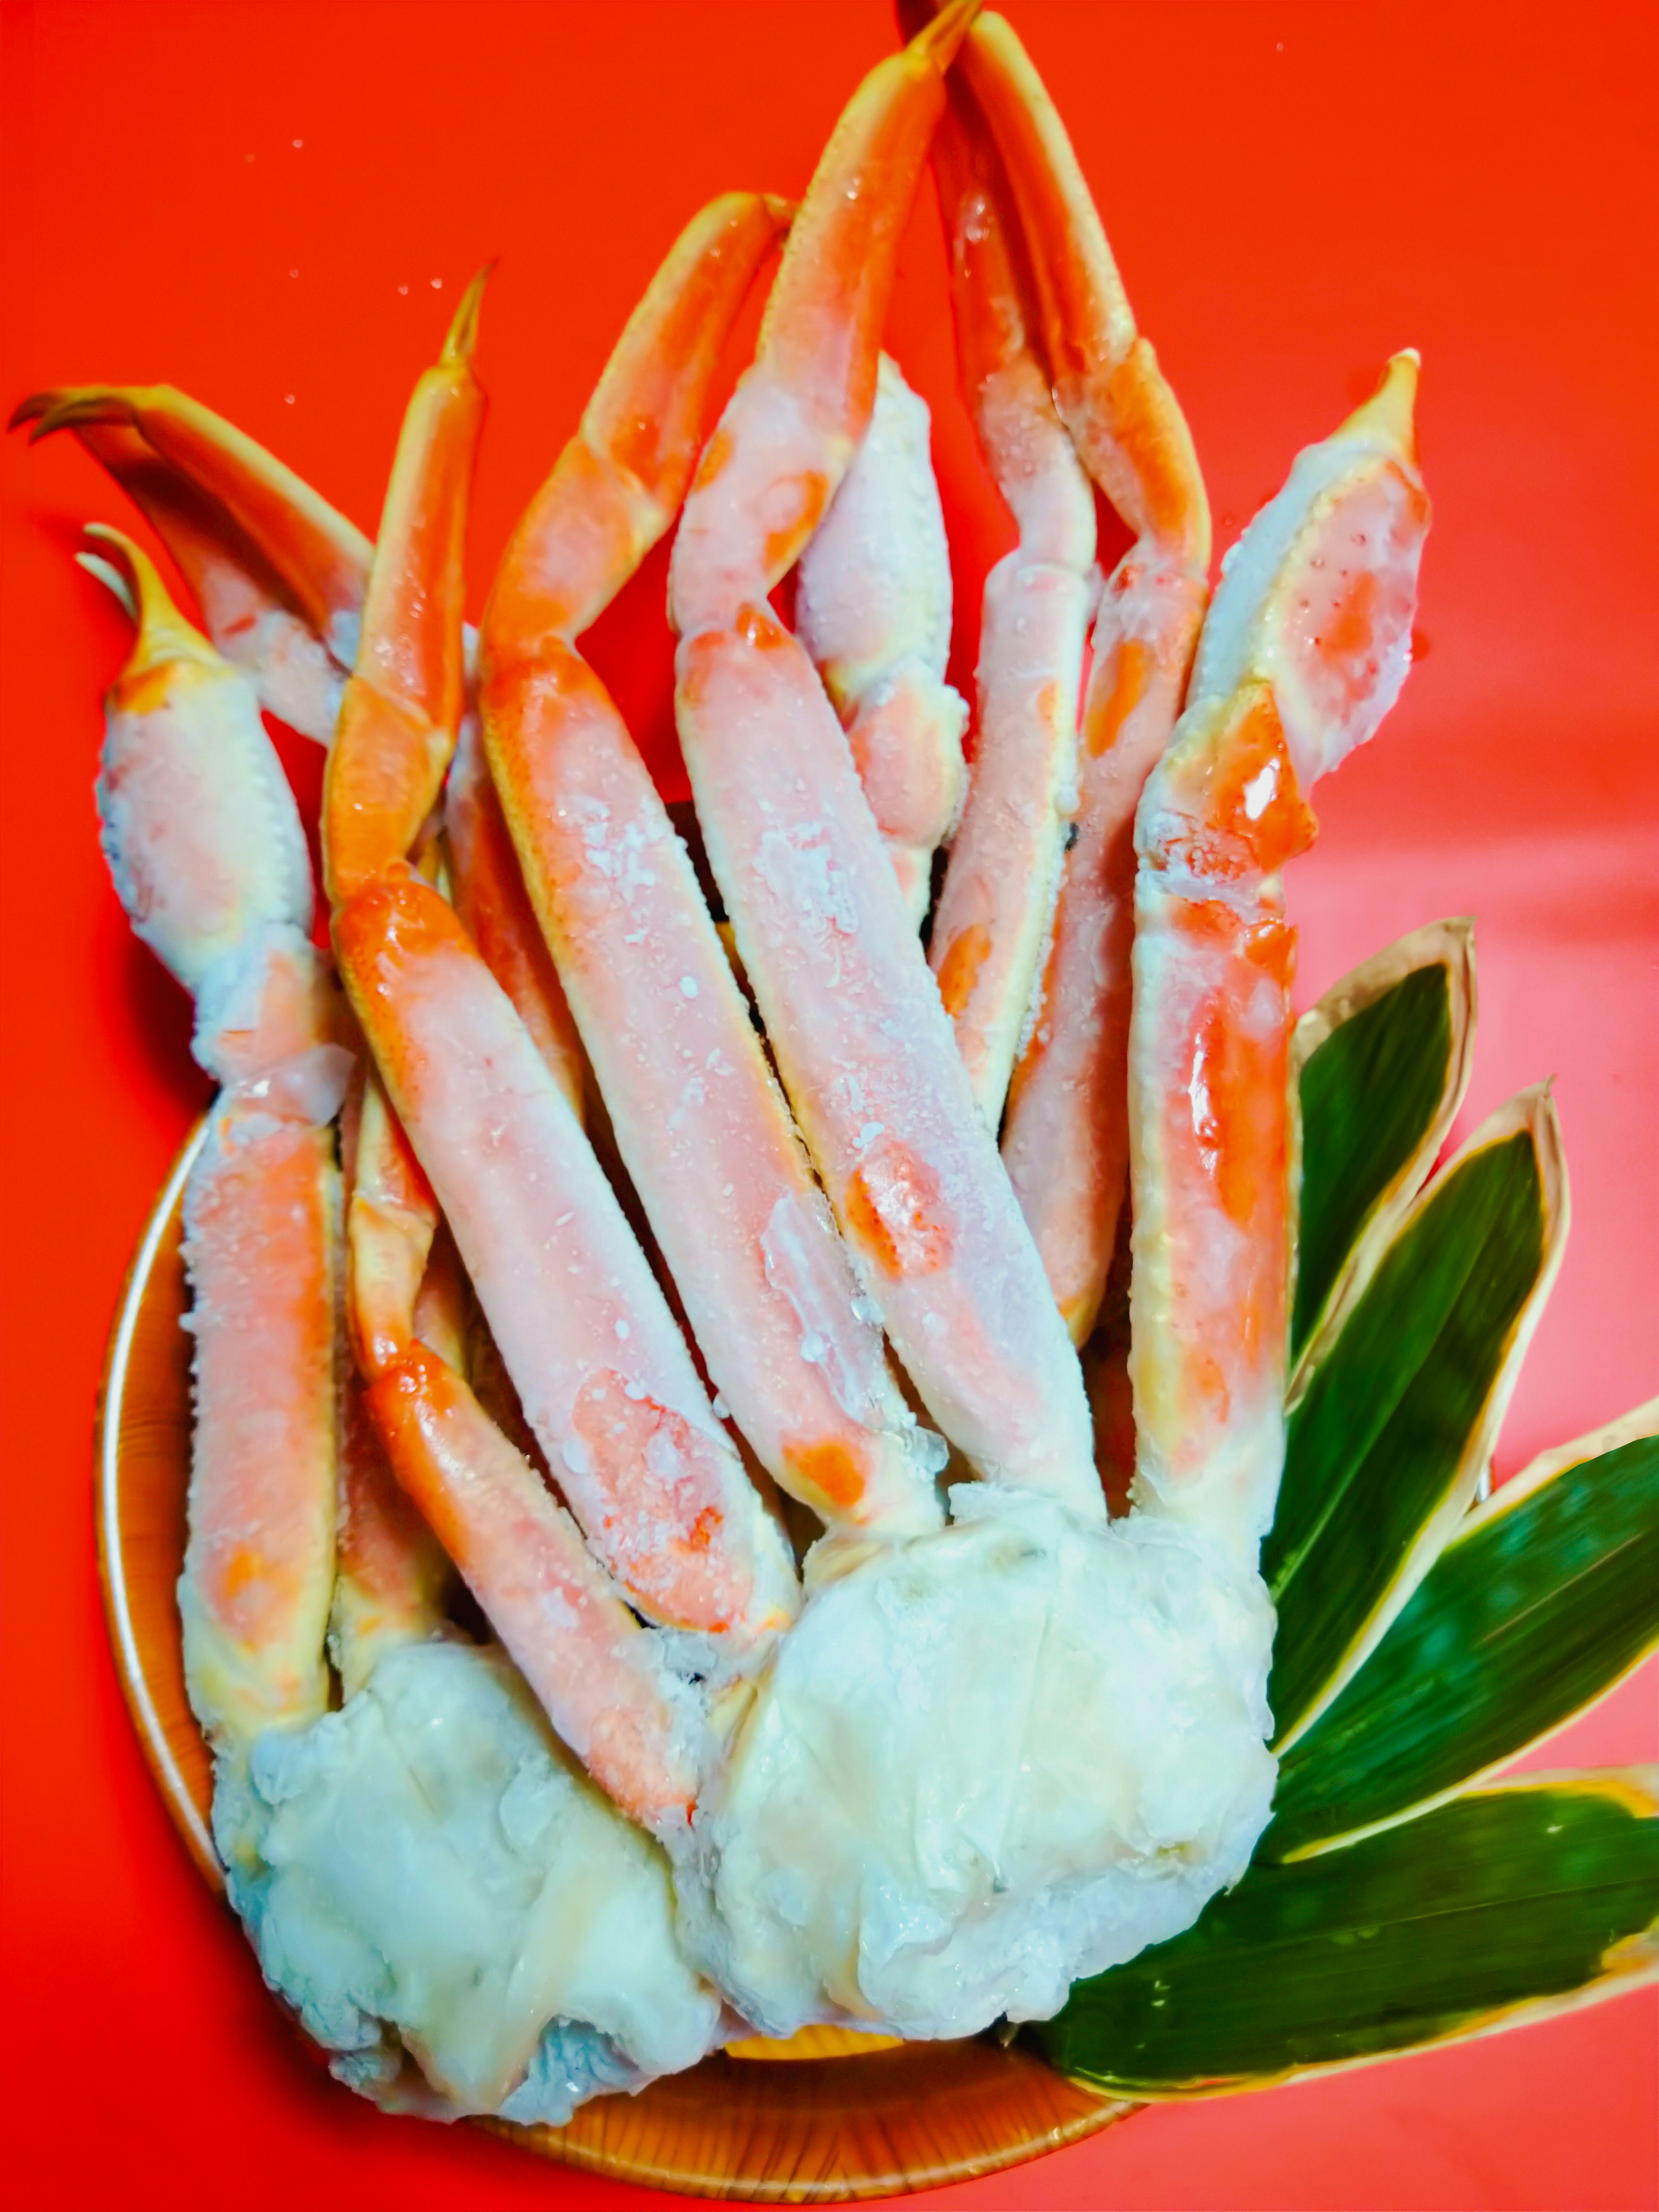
[(987, 1761), (428, 1872)]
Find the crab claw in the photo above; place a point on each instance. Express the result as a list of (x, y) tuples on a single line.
[(278, 573), (204, 843), (1319, 593), (201, 832)]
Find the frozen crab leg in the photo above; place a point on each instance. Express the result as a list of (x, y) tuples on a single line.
[(1065, 1136), (392, 1579), (997, 901), (873, 607), (402, 707), (278, 573), (1305, 649), (491, 897), (209, 859), (765, 1281), (861, 1041), (605, 1378), (368, 1847), (279, 576)]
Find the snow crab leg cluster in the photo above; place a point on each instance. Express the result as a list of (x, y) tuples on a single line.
[(982, 1738)]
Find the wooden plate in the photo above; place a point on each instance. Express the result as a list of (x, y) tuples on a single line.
[(816, 2130)]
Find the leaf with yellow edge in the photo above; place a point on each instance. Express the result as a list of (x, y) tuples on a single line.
[(1387, 1448), (1378, 1070), (1545, 1597), (1505, 1905)]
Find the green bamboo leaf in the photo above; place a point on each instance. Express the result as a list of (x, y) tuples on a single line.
[(1505, 1905), (1544, 1598), (1378, 1068), (1385, 1451)]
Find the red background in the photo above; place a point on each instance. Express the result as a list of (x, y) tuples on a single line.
[(274, 206)]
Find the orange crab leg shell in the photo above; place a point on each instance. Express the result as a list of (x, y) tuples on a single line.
[(607, 1382), (403, 705), (618, 485), (574, 1641)]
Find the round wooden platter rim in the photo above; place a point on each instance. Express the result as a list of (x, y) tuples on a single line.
[(816, 2131)]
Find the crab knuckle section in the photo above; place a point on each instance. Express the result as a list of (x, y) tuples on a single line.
[(924, 1824), (523, 1954), (873, 607)]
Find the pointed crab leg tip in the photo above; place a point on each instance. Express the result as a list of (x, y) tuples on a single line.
[(940, 40), (69, 406), (140, 566), (1388, 414), (164, 633), (463, 330), (108, 574)]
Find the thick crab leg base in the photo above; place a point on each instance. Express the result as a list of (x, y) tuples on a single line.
[(261, 1232), (607, 1382)]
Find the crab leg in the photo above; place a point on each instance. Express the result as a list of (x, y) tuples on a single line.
[(606, 1381), (1065, 1138), (862, 1043), (605, 1378), (209, 859), (392, 1578), (1305, 649), (873, 607), (704, 1131), (597, 1673), (493, 903), (402, 704), (997, 901), (278, 573), (279, 576)]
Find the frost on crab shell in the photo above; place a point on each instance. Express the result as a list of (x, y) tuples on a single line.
[(984, 1762)]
